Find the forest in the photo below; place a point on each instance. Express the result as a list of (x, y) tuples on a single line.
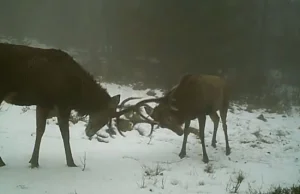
[(255, 44)]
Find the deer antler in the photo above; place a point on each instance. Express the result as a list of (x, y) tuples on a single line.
[(136, 109), (120, 106)]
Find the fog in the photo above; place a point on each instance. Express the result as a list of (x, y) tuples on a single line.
[(255, 44)]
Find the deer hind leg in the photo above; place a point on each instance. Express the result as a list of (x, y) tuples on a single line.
[(202, 120), (223, 114), (216, 119), (63, 122), (182, 153), (1, 161), (41, 117)]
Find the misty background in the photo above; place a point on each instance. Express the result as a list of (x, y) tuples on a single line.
[(255, 44)]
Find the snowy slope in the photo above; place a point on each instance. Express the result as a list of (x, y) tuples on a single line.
[(266, 152)]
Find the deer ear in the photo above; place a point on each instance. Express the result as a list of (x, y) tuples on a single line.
[(114, 101)]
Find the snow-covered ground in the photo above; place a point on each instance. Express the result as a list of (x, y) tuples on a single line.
[(267, 153)]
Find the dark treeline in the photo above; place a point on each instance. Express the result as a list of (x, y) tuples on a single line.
[(156, 42)]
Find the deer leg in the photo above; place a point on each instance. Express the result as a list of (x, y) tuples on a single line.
[(63, 122), (110, 128), (41, 117), (223, 114), (216, 119), (152, 129), (109, 124), (182, 153), (1, 161), (201, 120)]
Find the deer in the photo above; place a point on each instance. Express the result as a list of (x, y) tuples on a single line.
[(51, 79), (195, 96)]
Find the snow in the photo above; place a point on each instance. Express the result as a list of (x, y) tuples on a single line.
[(266, 152)]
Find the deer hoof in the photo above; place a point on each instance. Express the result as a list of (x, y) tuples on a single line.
[(182, 155), (228, 151), (72, 164), (213, 145), (34, 165), (205, 160)]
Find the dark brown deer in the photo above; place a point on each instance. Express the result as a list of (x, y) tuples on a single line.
[(194, 97), (50, 78)]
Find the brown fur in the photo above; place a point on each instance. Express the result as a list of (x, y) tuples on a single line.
[(194, 97), (50, 78)]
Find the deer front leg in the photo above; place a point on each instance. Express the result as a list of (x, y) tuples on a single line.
[(63, 122), (152, 129), (201, 120), (41, 117), (182, 153)]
